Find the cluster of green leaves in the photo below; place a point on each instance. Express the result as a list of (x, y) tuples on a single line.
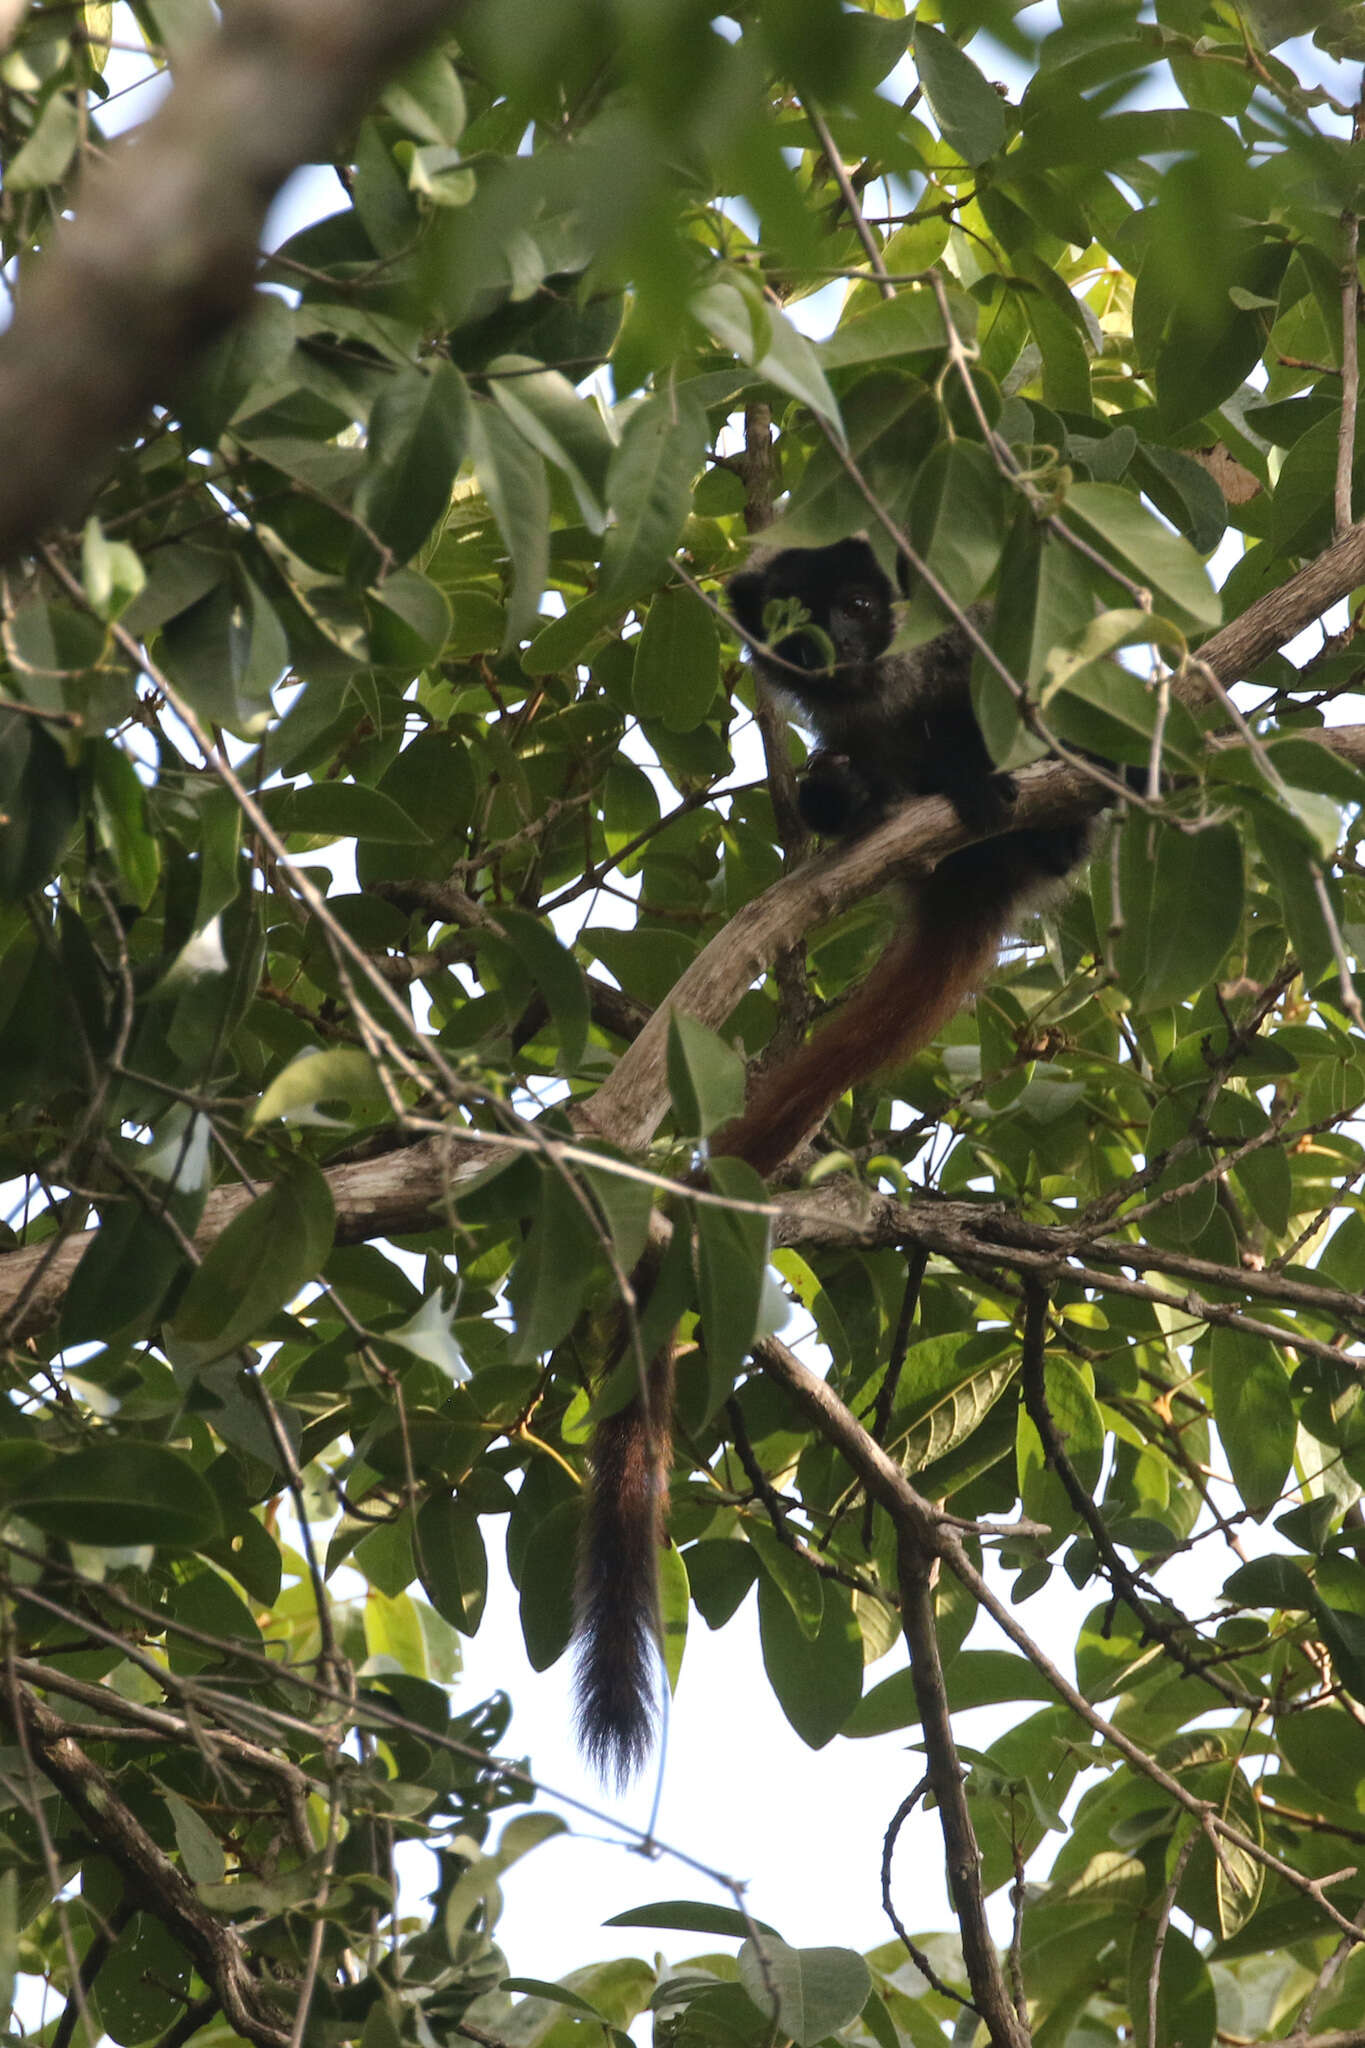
[(409, 537)]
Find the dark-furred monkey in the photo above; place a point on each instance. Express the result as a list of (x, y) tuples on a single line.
[(889, 726)]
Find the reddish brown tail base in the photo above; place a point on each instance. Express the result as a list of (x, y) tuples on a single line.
[(916, 986)]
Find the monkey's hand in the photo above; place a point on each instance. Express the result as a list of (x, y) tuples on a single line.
[(836, 799), (984, 803)]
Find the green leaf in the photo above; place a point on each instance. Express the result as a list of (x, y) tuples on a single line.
[(1061, 343), (277, 1244), (976, 1678), (650, 486), (762, 335), (547, 1585), (410, 620), (254, 352), (550, 1280), (37, 805), (1254, 1411), (383, 1556), (1186, 2005), (1202, 872), (569, 639), (512, 475), (124, 1276), (336, 1073), (47, 153), (428, 99), (1270, 1582), (732, 1251), (341, 810), (110, 571), (626, 1205), (564, 425), (144, 1982), (1080, 1426), (969, 111), (909, 324), (9, 1935), (818, 1684), (677, 661), (1145, 549), (818, 1990), (559, 978), (121, 807), (957, 517), (419, 429), (720, 1573), (799, 1586), (675, 1604), (475, 1884), (452, 1561), (705, 1076), (227, 653), (536, 1987), (892, 423), (122, 1492), (201, 1852), (945, 1396), (692, 1916)]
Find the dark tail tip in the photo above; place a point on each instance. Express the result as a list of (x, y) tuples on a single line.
[(617, 1696), (618, 1588)]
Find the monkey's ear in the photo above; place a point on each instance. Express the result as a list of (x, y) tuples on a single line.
[(747, 594)]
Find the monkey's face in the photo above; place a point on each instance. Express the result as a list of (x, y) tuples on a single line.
[(859, 623), (824, 612)]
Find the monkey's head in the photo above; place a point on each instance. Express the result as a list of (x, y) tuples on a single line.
[(824, 611)]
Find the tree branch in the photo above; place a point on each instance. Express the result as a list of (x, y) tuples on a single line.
[(925, 1525), (162, 254), (217, 1950), (917, 1570)]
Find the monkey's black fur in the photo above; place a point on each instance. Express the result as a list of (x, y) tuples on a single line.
[(889, 726)]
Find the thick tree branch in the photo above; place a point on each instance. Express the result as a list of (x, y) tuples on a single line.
[(1272, 621), (162, 254), (628, 1106)]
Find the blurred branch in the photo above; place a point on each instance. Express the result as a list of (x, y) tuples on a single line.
[(162, 253)]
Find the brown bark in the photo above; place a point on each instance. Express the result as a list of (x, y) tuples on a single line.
[(162, 254)]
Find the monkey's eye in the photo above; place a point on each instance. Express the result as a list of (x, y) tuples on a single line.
[(861, 604)]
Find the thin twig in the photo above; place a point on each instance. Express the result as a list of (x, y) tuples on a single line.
[(1168, 1898), (911, 1947)]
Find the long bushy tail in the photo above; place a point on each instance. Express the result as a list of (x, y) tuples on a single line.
[(618, 1577), (947, 949), (945, 952)]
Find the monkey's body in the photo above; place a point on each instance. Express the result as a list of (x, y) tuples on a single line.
[(890, 726)]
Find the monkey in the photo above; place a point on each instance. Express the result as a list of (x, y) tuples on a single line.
[(889, 726)]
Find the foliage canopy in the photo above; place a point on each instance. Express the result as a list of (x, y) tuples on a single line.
[(325, 1171)]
